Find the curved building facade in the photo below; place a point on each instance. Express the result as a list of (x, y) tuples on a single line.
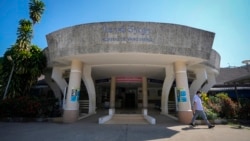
[(114, 61)]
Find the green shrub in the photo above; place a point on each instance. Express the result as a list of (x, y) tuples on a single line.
[(244, 110), (209, 110), (27, 106), (215, 104), (211, 115), (229, 108), (220, 106)]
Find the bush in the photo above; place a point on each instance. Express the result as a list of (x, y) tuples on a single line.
[(215, 104), (27, 106), (211, 115), (244, 111), (229, 108), (209, 110), (219, 106)]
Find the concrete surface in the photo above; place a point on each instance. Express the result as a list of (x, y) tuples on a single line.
[(88, 129)]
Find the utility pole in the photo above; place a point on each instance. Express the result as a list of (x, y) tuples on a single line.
[(11, 73)]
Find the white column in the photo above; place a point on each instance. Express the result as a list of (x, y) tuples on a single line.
[(89, 83), (71, 110), (210, 82), (184, 105), (168, 81), (144, 96), (112, 96), (57, 76), (54, 85), (201, 78)]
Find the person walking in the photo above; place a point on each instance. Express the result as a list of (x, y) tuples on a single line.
[(198, 110)]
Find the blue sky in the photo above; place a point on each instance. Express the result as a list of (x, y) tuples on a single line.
[(228, 19)]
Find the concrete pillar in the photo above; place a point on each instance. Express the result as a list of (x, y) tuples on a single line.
[(210, 82), (112, 95), (201, 78), (57, 76), (184, 105), (167, 84), (89, 83), (71, 110), (54, 85), (144, 96)]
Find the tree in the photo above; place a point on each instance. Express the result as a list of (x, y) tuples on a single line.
[(28, 59), (36, 8), (24, 34)]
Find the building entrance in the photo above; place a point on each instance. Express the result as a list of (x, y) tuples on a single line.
[(126, 98), (130, 100)]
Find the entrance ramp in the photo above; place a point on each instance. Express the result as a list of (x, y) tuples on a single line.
[(127, 119)]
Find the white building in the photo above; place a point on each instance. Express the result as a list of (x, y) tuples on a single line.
[(130, 65)]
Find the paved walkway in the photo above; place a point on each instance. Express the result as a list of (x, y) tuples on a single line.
[(88, 129)]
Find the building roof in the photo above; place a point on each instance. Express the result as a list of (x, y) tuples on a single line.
[(235, 74), (131, 48), (241, 80)]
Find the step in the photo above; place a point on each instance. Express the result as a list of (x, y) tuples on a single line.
[(127, 119)]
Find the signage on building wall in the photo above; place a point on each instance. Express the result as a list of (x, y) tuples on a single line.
[(75, 93), (126, 34), (129, 79), (151, 80), (181, 95), (105, 80)]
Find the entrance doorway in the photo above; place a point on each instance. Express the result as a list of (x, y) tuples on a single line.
[(129, 95), (126, 98), (130, 101)]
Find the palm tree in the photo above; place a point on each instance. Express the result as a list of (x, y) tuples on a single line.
[(36, 8), (28, 59), (24, 34)]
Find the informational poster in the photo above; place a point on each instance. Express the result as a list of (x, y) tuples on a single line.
[(75, 93), (181, 95)]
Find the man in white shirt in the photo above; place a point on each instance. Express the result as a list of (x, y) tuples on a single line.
[(199, 111)]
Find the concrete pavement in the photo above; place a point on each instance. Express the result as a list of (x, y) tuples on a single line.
[(88, 129)]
